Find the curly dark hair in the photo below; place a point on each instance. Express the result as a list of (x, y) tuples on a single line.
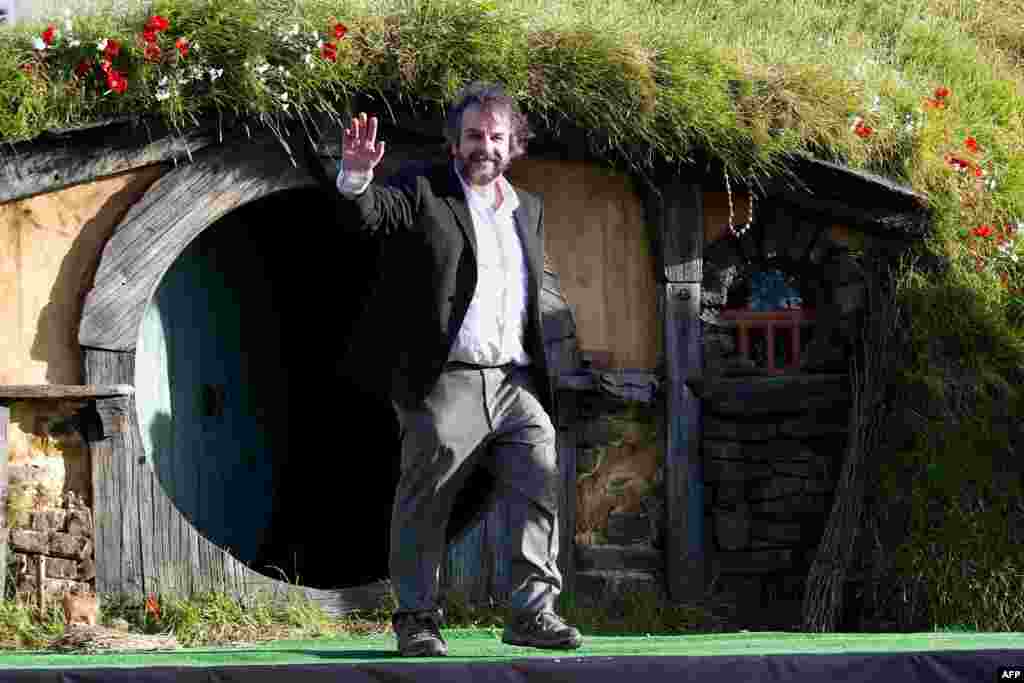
[(488, 96)]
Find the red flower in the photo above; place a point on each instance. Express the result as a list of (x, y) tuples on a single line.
[(157, 23), (105, 66), (934, 104), (340, 30), (149, 36), (153, 52), (971, 144), (982, 231), (113, 49), (152, 606), (863, 131), (941, 93), (329, 52), (49, 34), (116, 81), (83, 67), (26, 68), (182, 45), (979, 172)]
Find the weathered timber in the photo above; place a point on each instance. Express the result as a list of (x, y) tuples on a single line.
[(142, 542), (882, 221), (761, 395), (172, 212), (684, 547), (678, 212), (5, 418), (568, 426), (54, 161), (10, 392)]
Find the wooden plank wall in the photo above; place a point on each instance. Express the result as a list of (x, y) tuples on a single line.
[(596, 242)]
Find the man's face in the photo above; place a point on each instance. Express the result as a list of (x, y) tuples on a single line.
[(482, 154)]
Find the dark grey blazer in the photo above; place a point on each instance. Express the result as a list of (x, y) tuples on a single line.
[(428, 274)]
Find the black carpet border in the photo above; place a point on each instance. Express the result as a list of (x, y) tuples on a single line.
[(949, 666)]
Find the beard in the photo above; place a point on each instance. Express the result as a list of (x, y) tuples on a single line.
[(480, 169)]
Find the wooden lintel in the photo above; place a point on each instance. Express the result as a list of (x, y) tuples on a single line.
[(54, 161), (19, 392), (887, 222)]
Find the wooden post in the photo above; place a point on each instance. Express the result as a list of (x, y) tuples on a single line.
[(5, 417), (679, 213)]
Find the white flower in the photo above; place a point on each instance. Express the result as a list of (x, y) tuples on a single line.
[(38, 44), (261, 68), (163, 82), (283, 96), (313, 35), (193, 46), (308, 58), (101, 45), (319, 44), (74, 42), (876, 106), (162, 95), (215, 73)]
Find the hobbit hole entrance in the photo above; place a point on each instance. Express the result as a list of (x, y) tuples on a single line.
[(259, 433)]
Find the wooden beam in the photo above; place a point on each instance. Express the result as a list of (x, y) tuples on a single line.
[(54, 161), (5, 419), (682, 230), (12, 392)]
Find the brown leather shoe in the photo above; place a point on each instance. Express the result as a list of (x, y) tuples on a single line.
[(541, 629), (419, 634)]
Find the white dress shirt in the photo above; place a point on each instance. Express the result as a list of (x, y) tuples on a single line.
[(492, 332)]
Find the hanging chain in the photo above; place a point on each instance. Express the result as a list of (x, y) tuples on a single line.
[(738, 232)]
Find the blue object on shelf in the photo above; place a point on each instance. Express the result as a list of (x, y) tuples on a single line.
[(769, 291)]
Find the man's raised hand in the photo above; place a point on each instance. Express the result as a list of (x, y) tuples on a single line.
[(360, 151)]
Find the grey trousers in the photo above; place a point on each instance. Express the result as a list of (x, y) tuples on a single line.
[(489, 417)]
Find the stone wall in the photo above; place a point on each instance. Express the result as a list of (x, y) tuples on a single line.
[(769, 481), (772, 446), (49, 498), (619, 497)]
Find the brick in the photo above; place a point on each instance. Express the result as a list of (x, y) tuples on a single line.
[(48, 520), (816, 424), (637, 557), (732, 528), (628, 528), (734, 430), (60, 568), (68, 546), (79, 523), (30, 541)]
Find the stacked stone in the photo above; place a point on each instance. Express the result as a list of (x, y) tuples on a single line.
[(769, 483), (62, 539), (625, 555)]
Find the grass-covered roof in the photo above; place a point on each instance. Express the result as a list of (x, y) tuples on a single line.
[(927, 93)]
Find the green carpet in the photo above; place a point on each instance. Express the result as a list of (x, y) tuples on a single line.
[(478, 645)]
